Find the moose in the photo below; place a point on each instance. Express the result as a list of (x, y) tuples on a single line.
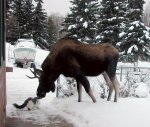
[(74, 59)]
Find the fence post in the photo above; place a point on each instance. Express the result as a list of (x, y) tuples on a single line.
[(121, 74), (57, 88)]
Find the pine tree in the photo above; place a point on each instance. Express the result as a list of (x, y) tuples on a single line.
[(81, 22), (19, 19), (40, 31), (135, 10), (12, 29), (18, 12), (11, 23), (112, 20), (135, 37), (51, 31), (28, 17), (8, 8), (57, 20)]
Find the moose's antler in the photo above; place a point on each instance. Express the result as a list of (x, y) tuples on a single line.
[(34, 72)]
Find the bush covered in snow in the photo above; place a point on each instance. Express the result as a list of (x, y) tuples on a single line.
[(66, 86), (135, 85), (141, 90)]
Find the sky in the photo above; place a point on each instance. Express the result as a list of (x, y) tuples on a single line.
[(57, 6), (54, 6)]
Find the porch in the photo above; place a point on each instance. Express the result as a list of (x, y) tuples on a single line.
[(54, 121)]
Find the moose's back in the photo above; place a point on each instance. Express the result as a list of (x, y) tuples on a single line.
[(92, 59)]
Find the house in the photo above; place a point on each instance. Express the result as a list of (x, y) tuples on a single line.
[(2, 68)]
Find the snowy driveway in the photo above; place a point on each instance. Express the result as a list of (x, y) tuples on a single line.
[(128, 112), (19, 88)]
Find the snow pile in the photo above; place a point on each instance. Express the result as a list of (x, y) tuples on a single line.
[(142, 90), (40, 57), (9, 54)]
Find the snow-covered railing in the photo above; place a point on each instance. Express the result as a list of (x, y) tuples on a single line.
[(141, 71), (135, 81), (129, 77)]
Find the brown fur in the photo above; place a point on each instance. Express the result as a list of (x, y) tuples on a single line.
[(75, 59)]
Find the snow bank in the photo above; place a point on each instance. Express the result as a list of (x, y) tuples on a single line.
[(40, 57), (142, 90), (129, 112), (9, 54)]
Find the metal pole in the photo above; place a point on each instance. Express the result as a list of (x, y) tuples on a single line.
[(57, 88)]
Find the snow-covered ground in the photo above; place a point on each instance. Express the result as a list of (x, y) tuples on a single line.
[(127, 112)]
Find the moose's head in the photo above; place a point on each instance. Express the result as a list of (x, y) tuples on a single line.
[(45, 83)]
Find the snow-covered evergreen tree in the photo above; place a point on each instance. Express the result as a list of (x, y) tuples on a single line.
[(111, 21), (18, 12), (11, 22), (51, 31), (135, 37), (135, 10), (28, 17), (40, 31), (81, 22), (8, 8), (19, 21), (12, 31)]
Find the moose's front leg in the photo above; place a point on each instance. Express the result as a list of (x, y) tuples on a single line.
[(79, 88), (84, 81)]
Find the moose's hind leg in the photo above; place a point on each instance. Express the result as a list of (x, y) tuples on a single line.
[(109, 84), (116, 88), (112, 84), (79, 88), (84, 81)]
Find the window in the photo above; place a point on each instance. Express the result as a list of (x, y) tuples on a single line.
[(2, 40)]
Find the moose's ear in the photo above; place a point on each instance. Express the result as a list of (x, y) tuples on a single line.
[(39, 72)]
